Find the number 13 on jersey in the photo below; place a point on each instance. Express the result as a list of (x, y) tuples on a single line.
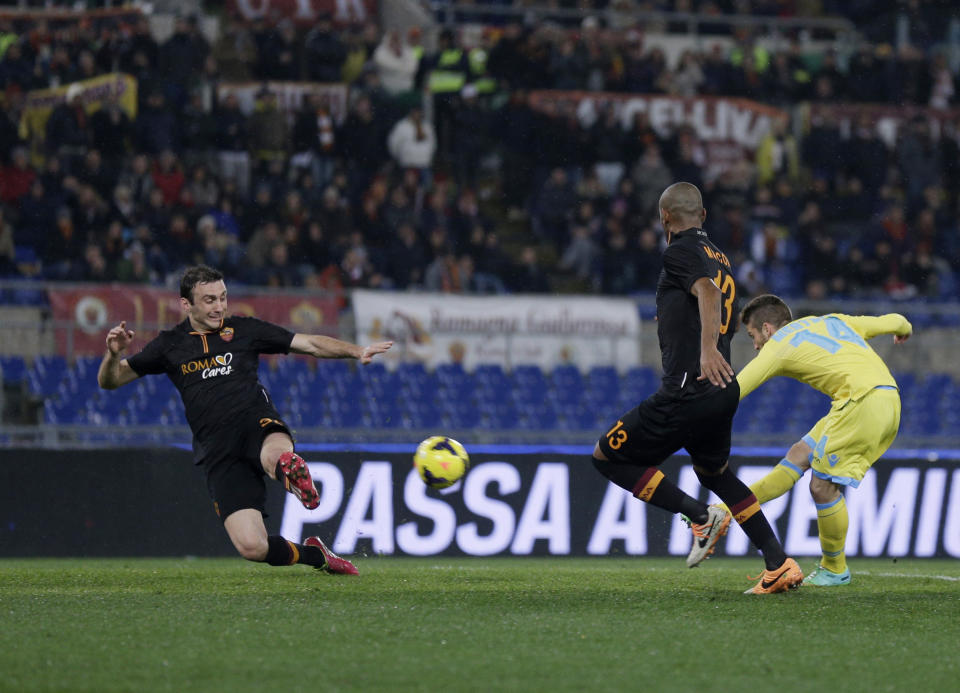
[(728, 290)]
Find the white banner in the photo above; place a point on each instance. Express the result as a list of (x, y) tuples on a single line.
[(728, 129), (552, 504), (545, 331)]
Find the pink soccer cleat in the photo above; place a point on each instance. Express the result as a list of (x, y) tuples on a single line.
[(297, 480), (335, 564)]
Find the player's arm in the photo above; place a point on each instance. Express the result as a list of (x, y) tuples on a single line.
[(763, 367), (868, 326), (713, 366), (114, 370), (323, 347)]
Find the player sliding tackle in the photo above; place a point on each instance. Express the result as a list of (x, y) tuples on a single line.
[(697, 399), (238, 436), (829, 353)]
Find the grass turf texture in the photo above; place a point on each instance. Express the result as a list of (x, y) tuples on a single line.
[(471, 625)]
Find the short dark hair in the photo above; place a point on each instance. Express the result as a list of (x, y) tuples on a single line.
[(765, 308), (201, 274)]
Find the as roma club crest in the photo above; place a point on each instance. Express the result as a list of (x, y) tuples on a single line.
[(226, 334)]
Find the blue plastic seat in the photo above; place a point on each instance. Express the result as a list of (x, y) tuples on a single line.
[(538, 416), (421, 415), (460, 415), (572, 415), (527, 395), (566, 376), (638, 383), (487, 395), (13, 369), (497, 415), (489, 372), (567, 393), (450, 373), (529, 377), (603, 383)]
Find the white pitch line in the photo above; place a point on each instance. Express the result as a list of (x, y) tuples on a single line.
[(949, 578)]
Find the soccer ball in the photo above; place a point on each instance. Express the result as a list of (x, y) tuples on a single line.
[(441, 461)]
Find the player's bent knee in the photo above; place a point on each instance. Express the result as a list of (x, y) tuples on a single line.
[(602, 465), (251, 548), (823, 491), (705, 474), (799, 455)]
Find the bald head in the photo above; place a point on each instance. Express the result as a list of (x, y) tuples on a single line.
[(682, 199), (681, 206)]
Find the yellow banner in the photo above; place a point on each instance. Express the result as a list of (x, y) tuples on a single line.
[(94, 94)]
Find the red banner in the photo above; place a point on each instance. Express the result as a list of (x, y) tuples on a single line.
[(886, 119), (305, 11), (92, 311)]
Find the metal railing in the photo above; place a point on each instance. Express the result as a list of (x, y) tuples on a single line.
[(54, 437), (450, 12)]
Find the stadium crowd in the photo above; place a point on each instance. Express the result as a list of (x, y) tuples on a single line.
[(474, 189)]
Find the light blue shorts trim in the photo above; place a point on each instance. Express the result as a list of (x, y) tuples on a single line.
[(824, 506), (790, 465), (842, 480)]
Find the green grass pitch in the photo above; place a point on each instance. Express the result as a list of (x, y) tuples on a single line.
[(605, 624)]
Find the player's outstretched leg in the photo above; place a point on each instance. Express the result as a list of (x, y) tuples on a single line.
[(332, 562), (651, 486), (787, 577), (312, 552), (781, 572), (295, 475), (707, 534)]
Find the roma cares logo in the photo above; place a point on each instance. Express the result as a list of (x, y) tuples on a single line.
[(210, 366)]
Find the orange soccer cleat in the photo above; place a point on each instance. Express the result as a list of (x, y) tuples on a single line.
[(787, 577)]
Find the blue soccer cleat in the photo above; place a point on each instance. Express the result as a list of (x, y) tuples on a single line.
[(821, 577)]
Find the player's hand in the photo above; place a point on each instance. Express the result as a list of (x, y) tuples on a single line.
[(714, 367), (119, 338), (366, 356), (900, 338)]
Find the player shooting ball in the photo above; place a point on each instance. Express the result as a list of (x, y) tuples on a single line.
[(238, 435)]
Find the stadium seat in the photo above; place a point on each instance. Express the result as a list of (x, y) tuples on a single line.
[(604, 379), (451, 374), (639, 383), (489, 372), (46, 374), (497, 416), (529, 377), (420, 415), (575, 416), (537, 416), (460, 416), (85, 366), (566, 376), (379, 413), (13, 369)]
